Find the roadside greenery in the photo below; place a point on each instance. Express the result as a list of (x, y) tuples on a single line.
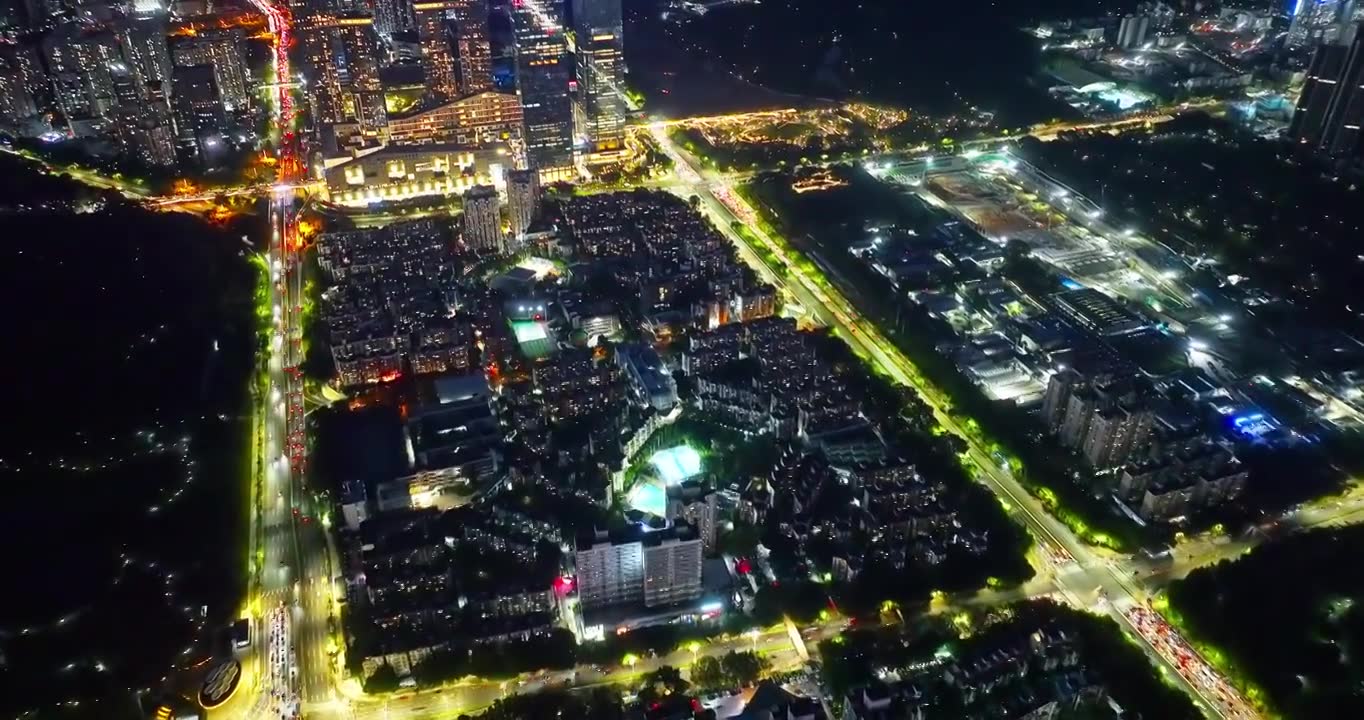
[(1048, 472), (1284, 623)]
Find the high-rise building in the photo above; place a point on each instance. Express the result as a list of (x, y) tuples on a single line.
[(341, 63), (523, 200), (1315, 21), (197, 105), (609, 573), (473, 48), (80, 64), (672, 569), (1132, 30), (659, 567), (143, 40), (1330, 110), (223, 50), (1117, 434), (435, 35), (543, 76), (18, 102), (694, 503), (393, 16), (482, 220), (359, 77), (142, 125), (599, 111)]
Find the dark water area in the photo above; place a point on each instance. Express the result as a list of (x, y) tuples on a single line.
[(130, 343), (680, 80), (933, 57)]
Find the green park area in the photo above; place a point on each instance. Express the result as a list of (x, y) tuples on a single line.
[(935, 652), (1285, 624)]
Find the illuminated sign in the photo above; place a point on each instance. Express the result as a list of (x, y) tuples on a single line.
[(220, 684)]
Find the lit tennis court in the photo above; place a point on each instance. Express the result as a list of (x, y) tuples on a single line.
[(676, 464)]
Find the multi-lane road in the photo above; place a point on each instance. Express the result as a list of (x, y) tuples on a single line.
[(1082, 576), (294, 668)]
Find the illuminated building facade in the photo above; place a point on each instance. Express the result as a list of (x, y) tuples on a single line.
[(18, 100), (223, 51), (523, 200), (143, 40), (1330, 110), (1314, 21), (342, 64), (391, 16), (599, 109), (473, 46), (543, 75), (482, 119), (438, 55), (483, 221), (401, 172), (80, 63)]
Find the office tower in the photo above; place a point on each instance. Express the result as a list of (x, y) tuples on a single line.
[(393, 16), (482, 222), (542, 76), (221, 50), (600, 108), (473, 46), (438, 53), (321, 52), (1313, 21), (523, 200), (1330, 110), (1132, 30)]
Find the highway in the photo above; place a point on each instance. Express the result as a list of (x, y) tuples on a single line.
[(291, 602)]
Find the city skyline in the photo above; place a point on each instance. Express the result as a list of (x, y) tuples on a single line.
[(456, 358)]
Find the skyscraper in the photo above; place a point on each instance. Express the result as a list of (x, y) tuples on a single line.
[(1132, 30), (523, 200), (542, 77), (435, 36), (482, 223), (1313, 21), (391, 16), (1330, 110), (473, 46), (341, 61), (143, 40), (600, 108)]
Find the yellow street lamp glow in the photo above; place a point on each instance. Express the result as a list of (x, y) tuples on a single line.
[(630, 660)]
